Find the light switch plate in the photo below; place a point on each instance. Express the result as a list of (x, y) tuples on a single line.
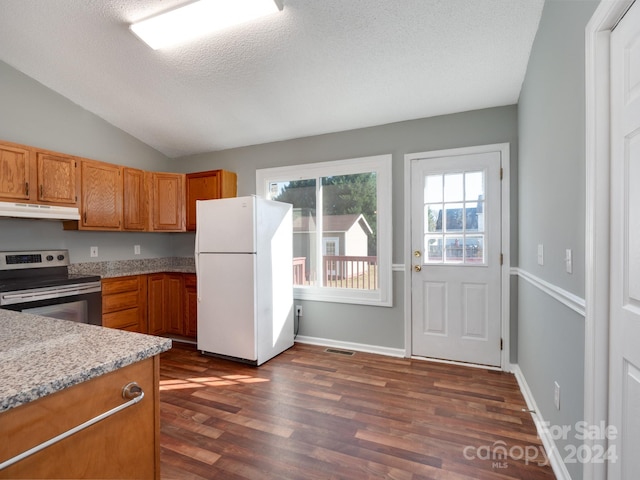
[(136, 249), (540, 254), (94, 251), (568, 259)]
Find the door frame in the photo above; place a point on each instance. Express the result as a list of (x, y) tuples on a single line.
[(505, 277), (597, 230)]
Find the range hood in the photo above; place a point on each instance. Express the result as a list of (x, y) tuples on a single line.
[(45, 212)]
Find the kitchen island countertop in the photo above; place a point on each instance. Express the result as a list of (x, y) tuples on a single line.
[(40, 356)]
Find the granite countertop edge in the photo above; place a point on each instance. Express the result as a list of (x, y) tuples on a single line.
[(40, 356), (125, 268), (43, 390)]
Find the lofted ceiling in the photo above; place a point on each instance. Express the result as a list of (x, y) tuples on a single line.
[(319, 66)]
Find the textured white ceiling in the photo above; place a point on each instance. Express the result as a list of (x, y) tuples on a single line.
[(319, 66)]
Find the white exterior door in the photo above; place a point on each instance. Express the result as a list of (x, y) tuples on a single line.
[(624, 361), (456, 270)]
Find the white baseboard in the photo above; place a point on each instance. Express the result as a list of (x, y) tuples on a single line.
[(553, 454), (359, 347)]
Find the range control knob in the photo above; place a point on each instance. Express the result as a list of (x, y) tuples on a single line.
[(49, 258), (60, 257)]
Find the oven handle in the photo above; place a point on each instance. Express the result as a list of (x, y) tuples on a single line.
[(33, 295)]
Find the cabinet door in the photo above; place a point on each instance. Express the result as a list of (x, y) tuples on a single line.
[(15, 171), (208, 185), (57, 179), (135, 199), (174, 313), (190, 305), (155, 303), (101, 196), (124, 446), (167, 201)]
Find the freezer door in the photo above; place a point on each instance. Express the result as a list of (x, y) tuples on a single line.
[(226, 305), (226, 225)]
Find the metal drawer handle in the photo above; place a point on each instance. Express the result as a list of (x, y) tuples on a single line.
[(130, 391)]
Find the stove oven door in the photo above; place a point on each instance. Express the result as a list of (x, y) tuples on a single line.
[(78, 303)]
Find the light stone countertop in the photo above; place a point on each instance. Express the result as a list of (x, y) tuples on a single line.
[(40, 356), (123, 268)]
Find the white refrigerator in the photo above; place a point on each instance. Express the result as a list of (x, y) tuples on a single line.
[(244, 268)]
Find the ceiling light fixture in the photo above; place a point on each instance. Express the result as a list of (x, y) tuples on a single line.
[(200, 18)]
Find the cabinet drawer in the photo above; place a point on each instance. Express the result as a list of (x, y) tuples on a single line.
[(122, 319), (120, 301), (118, 285)]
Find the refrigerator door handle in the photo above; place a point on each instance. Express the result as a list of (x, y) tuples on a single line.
[(197, 260)]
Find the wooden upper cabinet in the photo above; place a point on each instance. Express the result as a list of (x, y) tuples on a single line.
[(208, 185), (101, 194), (15, 173), (167, 201), (58, 179), (135, 200)]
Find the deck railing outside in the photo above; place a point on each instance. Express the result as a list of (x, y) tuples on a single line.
[(339, 272)]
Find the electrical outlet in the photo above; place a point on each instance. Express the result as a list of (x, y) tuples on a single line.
[(94, 251), (298, 310), (556, 395), (136, 249)]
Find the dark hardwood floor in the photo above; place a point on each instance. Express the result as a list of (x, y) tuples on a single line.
[(308, 414)]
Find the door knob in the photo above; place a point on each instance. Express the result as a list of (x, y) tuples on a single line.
[(417, 268)]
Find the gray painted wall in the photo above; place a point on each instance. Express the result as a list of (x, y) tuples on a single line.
[(551, 126), (42, 118), (34, 115), (381, 326)]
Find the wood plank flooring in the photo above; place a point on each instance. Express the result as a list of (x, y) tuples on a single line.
[(308, 414)]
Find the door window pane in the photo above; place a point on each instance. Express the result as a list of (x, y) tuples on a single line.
[(453, 187), (455, 217), (433, 189), (433, 219), (454, 226), (473, 185)]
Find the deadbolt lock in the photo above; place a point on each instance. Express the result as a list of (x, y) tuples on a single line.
[(417, 268), (417, 253)]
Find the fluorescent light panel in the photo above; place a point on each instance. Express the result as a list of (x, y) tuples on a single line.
[(198, 19)]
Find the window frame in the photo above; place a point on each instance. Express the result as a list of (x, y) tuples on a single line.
[(381, 165)]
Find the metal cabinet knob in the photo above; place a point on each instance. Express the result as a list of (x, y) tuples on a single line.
[(131, 391)]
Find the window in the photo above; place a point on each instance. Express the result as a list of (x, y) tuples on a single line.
[(454, 218), (341, 227)]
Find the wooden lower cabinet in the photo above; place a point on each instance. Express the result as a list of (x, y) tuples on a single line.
[(173, 299), (190, 305), (124, 303), (158, 303), (124, 445), (155, 303)]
